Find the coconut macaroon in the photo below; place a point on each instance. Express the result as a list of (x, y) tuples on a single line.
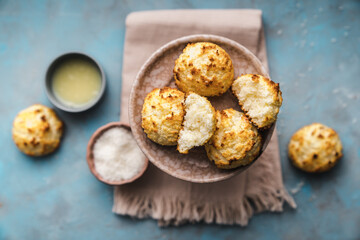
[(199, 123), (163, 114), (37, 130), (315, 148), (236, 142), (259, 97), (204, 68)]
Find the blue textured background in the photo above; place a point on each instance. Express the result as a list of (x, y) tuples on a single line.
[(313, 50)]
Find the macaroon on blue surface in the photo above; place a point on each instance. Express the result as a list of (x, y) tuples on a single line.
[(313, 52)]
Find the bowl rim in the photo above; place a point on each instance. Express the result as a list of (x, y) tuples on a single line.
[(90, 156), (157, 54), (48, 79)]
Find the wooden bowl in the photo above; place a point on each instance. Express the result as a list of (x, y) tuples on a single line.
[(90, 155), (157, 72)]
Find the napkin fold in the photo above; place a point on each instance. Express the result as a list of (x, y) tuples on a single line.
[(173, 201)]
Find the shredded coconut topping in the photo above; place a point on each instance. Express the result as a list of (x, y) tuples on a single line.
[(117, 157)]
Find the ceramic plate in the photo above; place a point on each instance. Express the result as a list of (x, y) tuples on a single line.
[(157, 72)]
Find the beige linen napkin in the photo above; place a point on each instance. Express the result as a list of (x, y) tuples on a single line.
[(163, 197)]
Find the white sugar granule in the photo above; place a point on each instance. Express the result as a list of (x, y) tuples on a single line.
[(117, 156)]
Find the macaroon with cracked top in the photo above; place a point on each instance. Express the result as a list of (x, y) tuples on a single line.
[(315, 148), (236, 142), (204, 68), (162, 115), (37, 130)]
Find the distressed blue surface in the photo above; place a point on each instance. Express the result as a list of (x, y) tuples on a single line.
[(313, 51)]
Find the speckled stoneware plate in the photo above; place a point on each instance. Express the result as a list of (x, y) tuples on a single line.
[(157, 72)]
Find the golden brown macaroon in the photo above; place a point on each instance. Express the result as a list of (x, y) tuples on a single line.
[(236, 142), (315, 148), (37, 130), (199, 123), (259, 97), (162, 115), (204, 68)]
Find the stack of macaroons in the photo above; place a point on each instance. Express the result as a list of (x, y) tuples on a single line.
[(187, 119)]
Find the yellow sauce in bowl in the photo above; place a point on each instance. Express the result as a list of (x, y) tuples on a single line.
[(76, 82)]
